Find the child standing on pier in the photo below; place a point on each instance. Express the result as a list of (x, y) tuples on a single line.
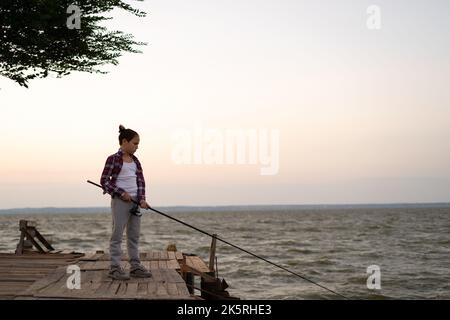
[(123, 179)]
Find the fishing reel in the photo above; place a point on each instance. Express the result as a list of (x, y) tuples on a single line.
[(136, 210)]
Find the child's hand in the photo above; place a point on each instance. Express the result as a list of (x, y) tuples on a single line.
[(125, 197), (144, 205)]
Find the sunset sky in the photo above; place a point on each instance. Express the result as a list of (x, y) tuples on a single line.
[(363, 115)]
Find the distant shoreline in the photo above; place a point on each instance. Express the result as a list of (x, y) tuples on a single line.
[(87, 210)]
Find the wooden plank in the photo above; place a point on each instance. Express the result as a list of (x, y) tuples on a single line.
[(173, 264), (64, 292), (121, 290), (189, 262), (154, 265), (212, 252), (13, 288), (5, 273), (113, 289), (151, 288), (156, 274), (132, 288), (88, 265), (168, 275), (172, 289), (18, 278), (142, 289), (31, 263), (162, 264), (31, 270), (163, 255), (196, 263), (96, 280), (45, 282), (102, 265), (16, 287), (55, 290), (182, 289), (91, 256), (142, 256), (30, 267), (173, 276), (86, 284), (161, 289), (26, 261), (103, 288), (171, 255), (34, 275), (39, 256), (179, 255), (24, 271), (199, 264)]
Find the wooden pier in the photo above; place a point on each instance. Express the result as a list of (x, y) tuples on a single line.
[(30, 274)]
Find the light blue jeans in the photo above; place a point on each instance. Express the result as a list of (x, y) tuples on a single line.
[(121, 219)]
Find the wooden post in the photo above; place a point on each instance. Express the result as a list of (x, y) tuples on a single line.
[(189, 278), (19, 249), (28, 232), (212, 253)]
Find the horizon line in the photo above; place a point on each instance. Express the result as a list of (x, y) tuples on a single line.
[(434, 203)]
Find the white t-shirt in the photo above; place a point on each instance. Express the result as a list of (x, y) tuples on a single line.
[(127, 178)]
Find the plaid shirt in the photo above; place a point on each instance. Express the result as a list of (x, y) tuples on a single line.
[(112, 169)]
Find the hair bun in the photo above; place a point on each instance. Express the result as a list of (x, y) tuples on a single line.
[(121, 128)]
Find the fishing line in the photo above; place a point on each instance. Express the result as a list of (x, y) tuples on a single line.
[(237, 247)]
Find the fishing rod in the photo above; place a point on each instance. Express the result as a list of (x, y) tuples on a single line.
[(237, 247)]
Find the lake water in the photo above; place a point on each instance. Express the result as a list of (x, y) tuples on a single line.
[(333, 247)]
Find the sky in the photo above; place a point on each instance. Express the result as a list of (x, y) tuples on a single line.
[(329, 110)]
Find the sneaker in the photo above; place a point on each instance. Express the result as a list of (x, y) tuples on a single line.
[(140, 272), (118, 274)]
